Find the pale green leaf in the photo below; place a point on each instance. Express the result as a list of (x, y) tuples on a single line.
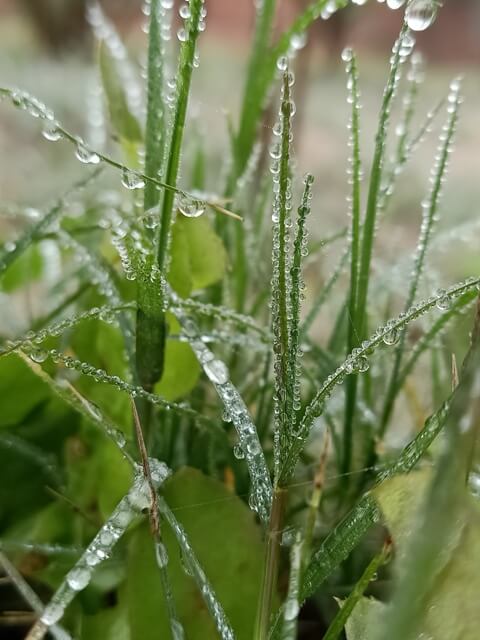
[(198, 255), (227, 542)]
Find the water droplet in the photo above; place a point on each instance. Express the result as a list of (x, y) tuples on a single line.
[(51, 131), (79, 578), (182, 35), (347, 54), (86, 155), (420, 14), (161, 554), (288, 537), (282, 63), (190, 207), (238, 451), (444, 302), (39, 356), (395, 4), (291, 609), (184, 11), (132, 180), (177, 630), (151, 219), (391, 337), (216, 371)]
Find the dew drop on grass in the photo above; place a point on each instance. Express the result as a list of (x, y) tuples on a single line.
[(391, 337), (177, 630), (420, 14), (190, 207), (347, 54), (51, 131), (216, 371), (86, 155), (151, 219), (238, 451), (395, 4), (39, 356), (79, 578), (444, 302), (161, 554), (132, 180), (291, 609), (184, 11), (282, 63), (182, 35)]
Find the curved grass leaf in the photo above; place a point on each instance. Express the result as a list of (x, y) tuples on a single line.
[(358, 360)]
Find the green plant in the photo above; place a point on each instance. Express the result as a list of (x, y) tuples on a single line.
[(110, 394)]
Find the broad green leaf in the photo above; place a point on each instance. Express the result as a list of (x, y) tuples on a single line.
[(227, 542), (364, 618), (26, 269), (181, 370), (450, 610), (123, 121), (102, 345), (114, 477), (108, 624), (198, 257), (20, 390), (399, 499)]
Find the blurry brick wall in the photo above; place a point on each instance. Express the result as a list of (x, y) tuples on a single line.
[(456, 36)]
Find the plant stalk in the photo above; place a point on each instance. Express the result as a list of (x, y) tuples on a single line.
[(270, 569)]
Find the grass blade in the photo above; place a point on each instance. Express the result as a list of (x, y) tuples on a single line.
[(79, 577), (358, 361), (338, 623), (253, 97), (359, 318), (430, 209), (184, 76), (217, 373), (9, 253), (212, 603), (443, 506), (155, 125)]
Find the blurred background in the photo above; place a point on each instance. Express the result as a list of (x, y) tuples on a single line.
[(46, 48)]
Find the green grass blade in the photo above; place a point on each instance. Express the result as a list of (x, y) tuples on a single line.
[(212, 603), (253, 96), (131, 178), (348, 533), (11, 252), (359, 318), (355, 178), (254, 105), (217, 373), (281, 282), (184, 77), (296, 287), (457, 308), (99, 549), (358, 362), (338, 623), (155, 125), (443, 507), (430, 211), (291, 607)]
